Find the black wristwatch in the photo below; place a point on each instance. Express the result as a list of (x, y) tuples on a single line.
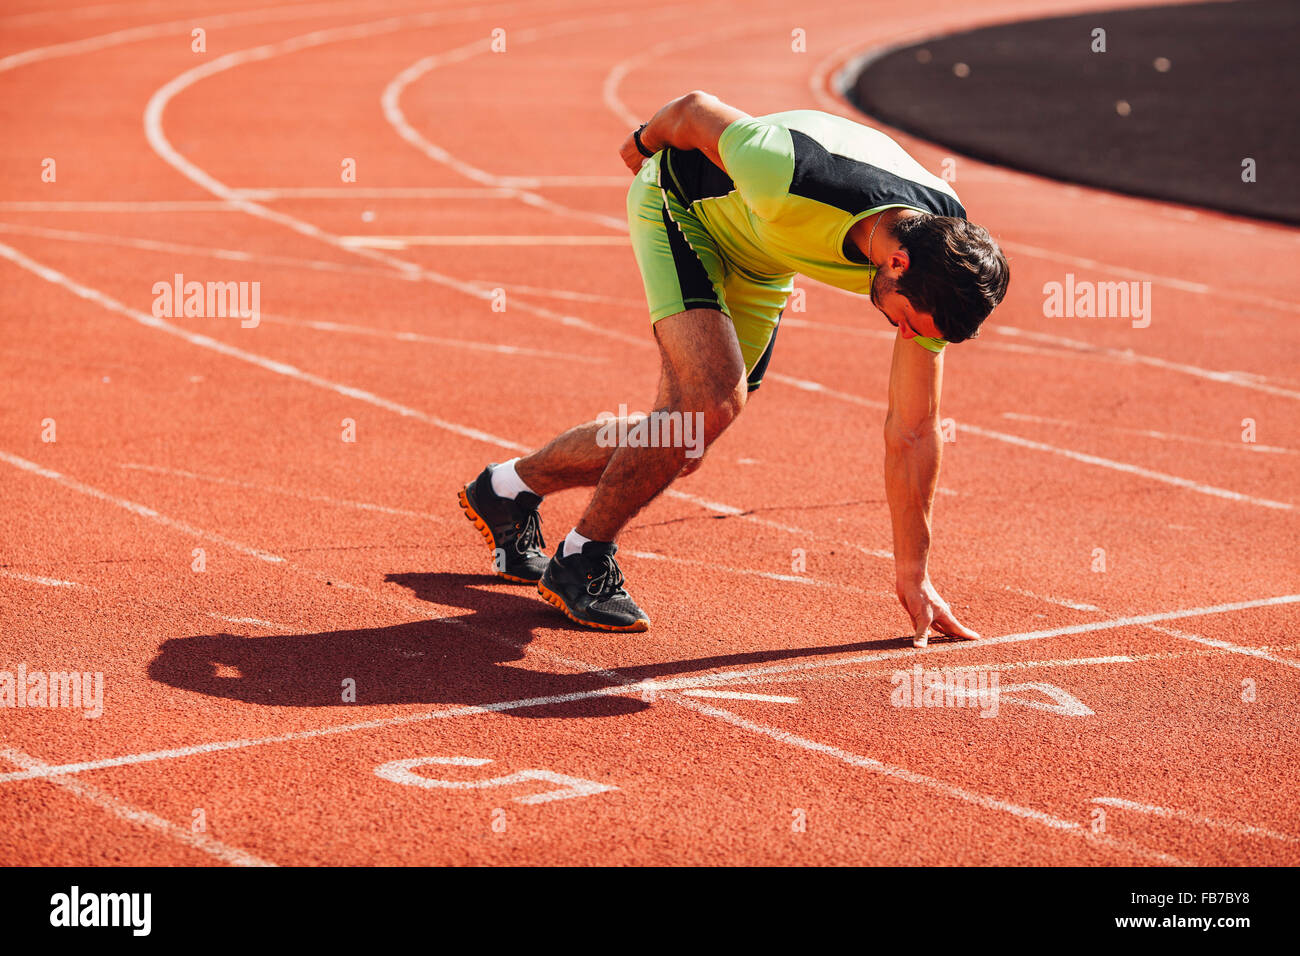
[(636, 138)]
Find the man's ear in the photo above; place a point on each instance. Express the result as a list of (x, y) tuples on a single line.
[(900, 260)]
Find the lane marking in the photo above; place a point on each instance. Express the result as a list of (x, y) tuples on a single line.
[(1127, 356), (270, 365), (155, 30), (1236, 294), (1064, 704), (1083, 457), (740, 695), (46, 582), (260, 194), (209, 252), (422, 339), (1148, 433), (404, 242), (1068, 348), (74, 585), (621, 686), (390, 105), (754, 572), (423, 610), (136, 205), (1233, 826), (279, 490), (1073, 605), (1229, 647), (138, 509), (1057, 824), (132, 814), (403, 772)]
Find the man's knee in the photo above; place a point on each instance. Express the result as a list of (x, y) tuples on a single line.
[(715, 405)]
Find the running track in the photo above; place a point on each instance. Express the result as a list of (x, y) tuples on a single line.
[(753, 723)]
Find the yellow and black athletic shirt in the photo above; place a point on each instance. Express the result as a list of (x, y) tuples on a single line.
[(794, 184)]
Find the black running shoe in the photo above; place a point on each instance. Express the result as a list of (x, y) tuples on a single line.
[(512, 529), (588, 588)]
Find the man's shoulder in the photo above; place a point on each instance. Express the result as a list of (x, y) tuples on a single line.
[(857, 167)]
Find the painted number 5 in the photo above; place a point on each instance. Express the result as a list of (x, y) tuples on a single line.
[(403, 771)]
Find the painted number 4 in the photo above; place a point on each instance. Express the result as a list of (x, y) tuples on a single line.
[(403, 771)]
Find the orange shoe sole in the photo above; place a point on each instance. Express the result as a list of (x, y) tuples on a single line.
[(484, 530), (553, 598)]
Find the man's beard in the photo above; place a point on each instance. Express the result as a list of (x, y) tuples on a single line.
[(881, 286)]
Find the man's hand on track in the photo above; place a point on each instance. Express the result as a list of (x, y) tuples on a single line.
[(929, 612)]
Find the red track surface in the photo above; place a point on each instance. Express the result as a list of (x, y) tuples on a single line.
[(328, 560)]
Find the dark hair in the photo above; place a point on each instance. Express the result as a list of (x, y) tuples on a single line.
[(956, 273)]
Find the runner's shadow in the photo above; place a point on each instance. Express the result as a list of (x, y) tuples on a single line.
[(462, 658)]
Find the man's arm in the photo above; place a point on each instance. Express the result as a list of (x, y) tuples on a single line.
[(913, 449), (694, 121)]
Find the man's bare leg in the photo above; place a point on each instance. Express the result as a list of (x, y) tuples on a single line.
[(703, 375), (575, 459), (707, 376)]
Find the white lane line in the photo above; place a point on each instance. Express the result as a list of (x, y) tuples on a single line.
[(1148, 433), (1126, 468), (157, 138), (279, 490), (620, 685), (424, 611), (1106, 661), (1073, 605), (73, 585), (139, 509), (754, 572), (152, 31), (1127, 356), (1058, 347), (1230, 647), (421, 339), (120, 808), (373, 192), (560, 294), (740, 695), (484, 287), (725, 677), (404, 242), (1087, 459), (136, 205), (207, 252), (44, 582), (390, 103), (1058, 824), (1233, 292), (270, 365), (1233, 826)]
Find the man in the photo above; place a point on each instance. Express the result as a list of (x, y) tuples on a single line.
[(724, 211)]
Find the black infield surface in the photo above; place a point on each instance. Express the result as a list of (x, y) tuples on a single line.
[(1180, 100)]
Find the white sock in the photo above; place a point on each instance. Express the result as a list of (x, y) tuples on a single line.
[(572, 544), (506, 481)]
